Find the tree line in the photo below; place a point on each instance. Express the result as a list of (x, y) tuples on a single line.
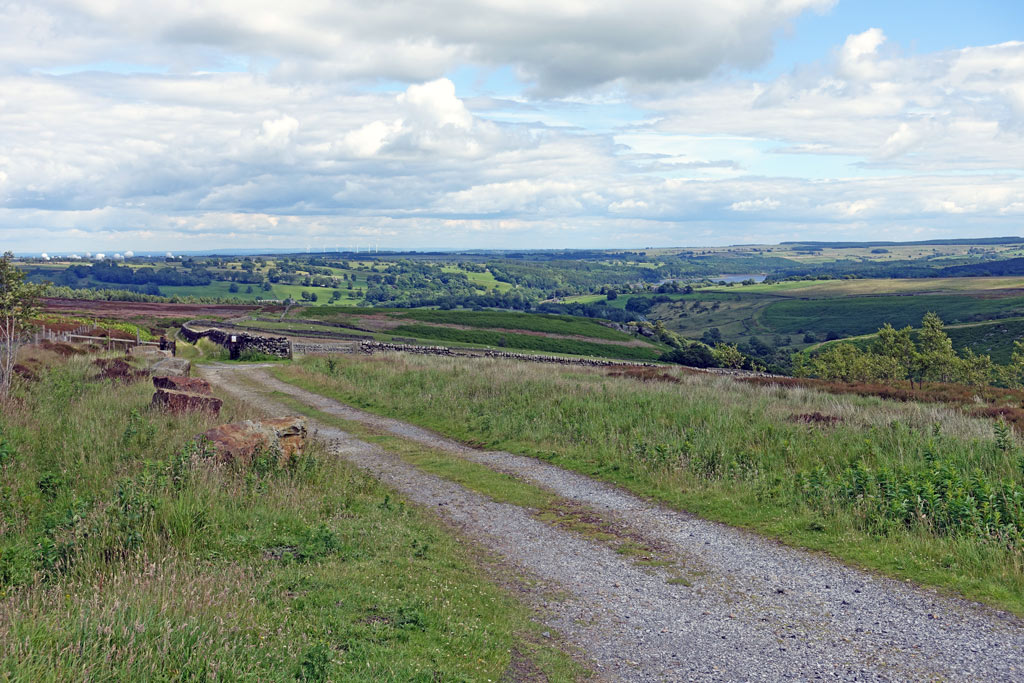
[(895, 355)]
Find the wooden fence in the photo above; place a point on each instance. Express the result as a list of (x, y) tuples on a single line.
[(44, 334)]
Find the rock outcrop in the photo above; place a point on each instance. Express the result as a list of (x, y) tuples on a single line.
[(238, 442)]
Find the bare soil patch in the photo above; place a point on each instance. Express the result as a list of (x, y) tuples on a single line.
[(127, 309), (817, 418), (118, 370), (62, 349), (645, 375)]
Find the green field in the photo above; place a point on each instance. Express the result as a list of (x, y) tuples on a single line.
[(825, 289), (787, 311), (483, 280), (560, 334), (863, 315), (554, 324), (526, 342), (221, 289)]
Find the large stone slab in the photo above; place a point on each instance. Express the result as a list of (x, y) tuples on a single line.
[(179, 402), (172, 366), (239, 441), (148, 352), (193, 385)]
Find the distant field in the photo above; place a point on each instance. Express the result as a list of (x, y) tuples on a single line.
[(555, 324), (994, 338), (495, 329), (278, 291), (863, 315), (483, 280), (785, 311), (862, 253), (526, 342), (840, 288)]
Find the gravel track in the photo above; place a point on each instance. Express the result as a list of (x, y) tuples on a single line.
[(755, 610)]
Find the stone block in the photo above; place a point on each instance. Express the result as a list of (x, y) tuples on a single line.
[(192, 385), (148, 352), (239, 441), (179, 402), (172, 366)]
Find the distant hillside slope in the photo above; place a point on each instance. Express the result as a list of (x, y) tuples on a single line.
[(534, 332), (1013, 266)]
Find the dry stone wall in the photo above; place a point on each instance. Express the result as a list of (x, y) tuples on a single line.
[(376, 346), (235, 341), (313, 348)]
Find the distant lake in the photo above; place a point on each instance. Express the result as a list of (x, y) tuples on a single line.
[(738, 278), (719, 278)]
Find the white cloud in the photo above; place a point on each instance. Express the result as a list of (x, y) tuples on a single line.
[(562, 45), (278, 132), (865, 143), (953, 110), (368, 139), (767, 203), (436, 105)]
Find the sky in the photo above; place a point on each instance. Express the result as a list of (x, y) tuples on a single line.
[(506, 124)]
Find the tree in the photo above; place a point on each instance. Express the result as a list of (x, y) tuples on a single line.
[(695, 355), (1014, 372), (974, 369), (898, 345), (936, 360), (728, 356), (18, 306), (712, 336)]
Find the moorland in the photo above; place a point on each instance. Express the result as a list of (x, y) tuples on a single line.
[(861, 400)]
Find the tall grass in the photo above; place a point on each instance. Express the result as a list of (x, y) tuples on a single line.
[(920, 491), (127, 554)]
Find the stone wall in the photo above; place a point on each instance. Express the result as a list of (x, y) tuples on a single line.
[(236, 341), (376, 346), (307, 348)]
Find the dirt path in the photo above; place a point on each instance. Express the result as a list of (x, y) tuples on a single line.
[(754, 610)]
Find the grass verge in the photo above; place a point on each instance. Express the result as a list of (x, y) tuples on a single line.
[(544, 505), (127, 554), (906, 489)]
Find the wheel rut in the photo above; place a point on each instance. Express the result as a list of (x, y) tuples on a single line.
[(752, 610)]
